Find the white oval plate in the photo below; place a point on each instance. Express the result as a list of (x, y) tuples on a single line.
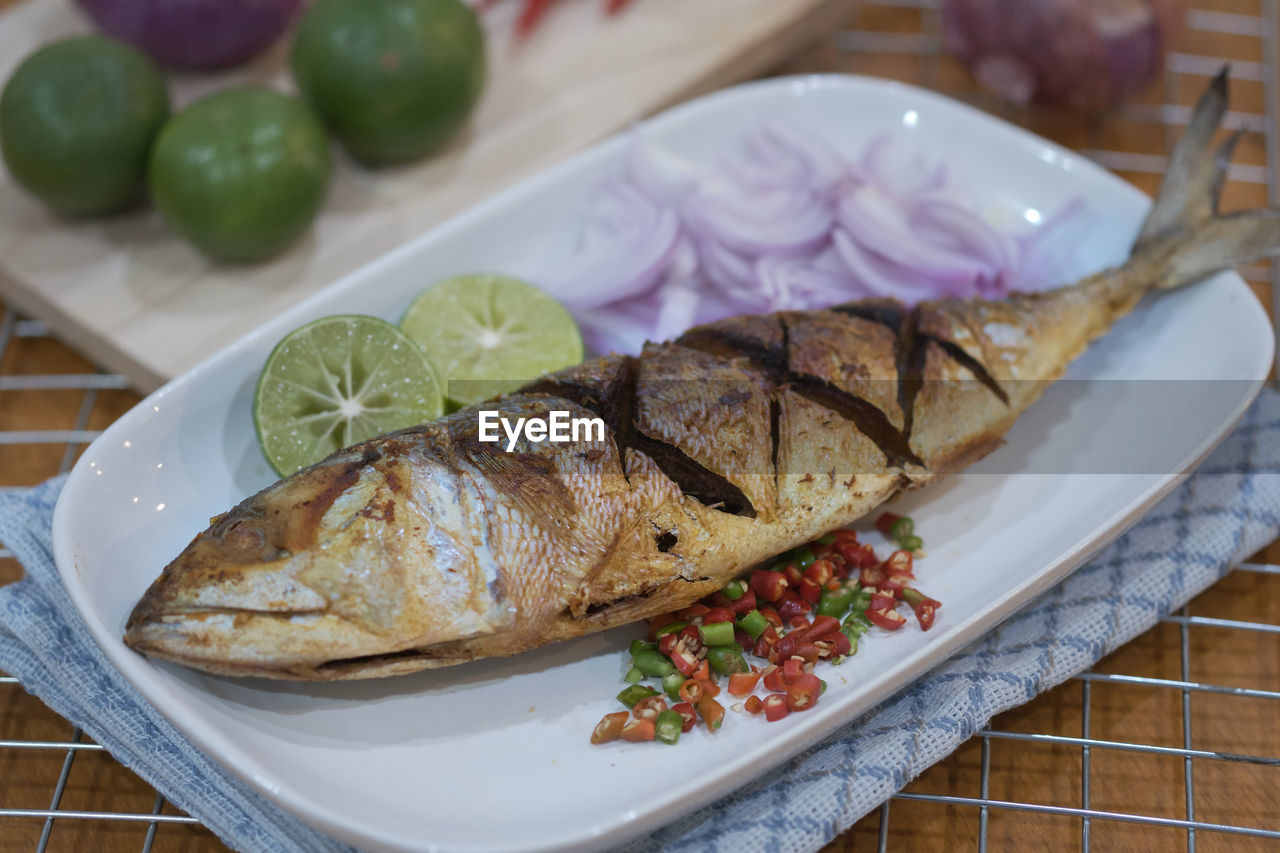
[(494, 755)]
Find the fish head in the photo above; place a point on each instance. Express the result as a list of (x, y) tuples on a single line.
[(367, 558)]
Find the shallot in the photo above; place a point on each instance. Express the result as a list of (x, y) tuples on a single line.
[(1084, 54)]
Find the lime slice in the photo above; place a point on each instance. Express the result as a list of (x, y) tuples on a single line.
[(487, 334), (338, 381)]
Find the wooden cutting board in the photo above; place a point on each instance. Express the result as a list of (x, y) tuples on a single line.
[(137, 300)]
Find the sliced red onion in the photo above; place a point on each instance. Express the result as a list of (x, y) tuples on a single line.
[(880, 223), (883, 278), (826, 165), (627, 244), (755, 221), (616, 328), (662, 175), (777, 155), (899, 169), (801, 283), (787, 223), (730, 273), (678, 309), (948, 224), (767, 165)]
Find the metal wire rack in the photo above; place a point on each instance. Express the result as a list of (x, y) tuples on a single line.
[(889, 30)]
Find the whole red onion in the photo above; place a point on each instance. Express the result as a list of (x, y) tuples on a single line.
[(1084, 54), (194, 35)]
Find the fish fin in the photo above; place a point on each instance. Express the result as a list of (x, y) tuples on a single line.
[(1221, 243), (1184, 233), (1189, 192)]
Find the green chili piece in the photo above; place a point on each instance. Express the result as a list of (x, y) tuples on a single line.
[(912, 543), (824, 687), (804, 557), (633, 676), (856, 622), (727, 660), (668, 725), (653, 662), (671, 628), (861, 601), (671, 684), (638, 646), (853, 634), (633, 694), (716, 633), (733, 590), (836, 603), (827, 539), (902, 529), (753, 623), (913, 597)]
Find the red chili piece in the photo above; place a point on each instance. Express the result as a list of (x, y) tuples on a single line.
[(803, 692), (767, 585), (530, 14), (899, 561), (717, 614), (775, 707), (745, 604), (693, 611), (609, 728), (880, 601), (649, 708), (810, 590), (687, 713), (791, 670), (871, 576), (890, 620), (742, 683), (885, 523), (820, 571), (791, 605), (711, 711), (925, 614), (638, 730)]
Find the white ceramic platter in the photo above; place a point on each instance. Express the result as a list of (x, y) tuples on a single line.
[(494, 755)]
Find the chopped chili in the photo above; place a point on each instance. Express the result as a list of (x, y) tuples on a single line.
[(687, 714), (638, 730), (711, 711), (609, 728), (668, 725)]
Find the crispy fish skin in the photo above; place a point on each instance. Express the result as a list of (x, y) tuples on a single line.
[(426, 548)]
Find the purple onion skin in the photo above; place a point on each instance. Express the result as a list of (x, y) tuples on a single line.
[(194, 35), (1087, 55)]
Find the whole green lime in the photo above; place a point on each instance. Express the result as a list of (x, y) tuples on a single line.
[(77, 119), (241, 173), (393, 79)]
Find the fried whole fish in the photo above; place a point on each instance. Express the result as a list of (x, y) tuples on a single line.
[(740, 439)]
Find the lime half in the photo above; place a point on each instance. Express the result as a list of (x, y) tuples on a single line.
[(338, 381), (487, 334)]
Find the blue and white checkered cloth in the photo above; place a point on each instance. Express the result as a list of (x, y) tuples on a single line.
[(1227, 510)]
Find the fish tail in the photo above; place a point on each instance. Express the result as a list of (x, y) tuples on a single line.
[(1184, 233)]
